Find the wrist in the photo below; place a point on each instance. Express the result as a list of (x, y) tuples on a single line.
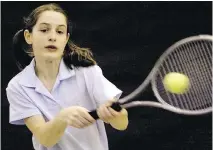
[(62, 117), (124, 112)]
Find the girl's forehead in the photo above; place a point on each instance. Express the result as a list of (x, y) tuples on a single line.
[(52, 17)]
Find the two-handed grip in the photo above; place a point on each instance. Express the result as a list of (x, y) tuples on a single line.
[(116, 106)]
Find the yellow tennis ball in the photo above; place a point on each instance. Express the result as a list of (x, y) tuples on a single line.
[(176, 83)]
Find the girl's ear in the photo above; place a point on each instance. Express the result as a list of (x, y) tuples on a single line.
[(28, 37), (68, 36)]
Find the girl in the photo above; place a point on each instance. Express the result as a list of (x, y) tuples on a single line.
[(54, 93)]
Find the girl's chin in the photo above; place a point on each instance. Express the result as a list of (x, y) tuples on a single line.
[(51, 57)]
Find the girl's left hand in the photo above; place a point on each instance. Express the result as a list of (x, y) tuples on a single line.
[(106, 113)]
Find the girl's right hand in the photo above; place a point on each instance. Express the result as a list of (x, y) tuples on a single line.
[(76, 116)]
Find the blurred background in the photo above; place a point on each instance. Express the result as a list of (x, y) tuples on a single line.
[(126, 39)]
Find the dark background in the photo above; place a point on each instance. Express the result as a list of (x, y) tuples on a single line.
[(126, 39)]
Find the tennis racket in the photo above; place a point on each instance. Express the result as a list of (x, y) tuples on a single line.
[(191, 56)]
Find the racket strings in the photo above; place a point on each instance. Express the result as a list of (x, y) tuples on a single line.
[(194, 60), (196, 69), (174, 100), (205, 67), (177, 98), (199, 76), (192, 70), (206, 71)]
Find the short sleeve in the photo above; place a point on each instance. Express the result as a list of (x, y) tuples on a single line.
[(20, 107), (102, 89)]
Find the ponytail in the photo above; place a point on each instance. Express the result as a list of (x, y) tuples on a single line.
[(20, 50), (78, 57)]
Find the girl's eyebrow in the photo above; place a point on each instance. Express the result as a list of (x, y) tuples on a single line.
[(43, 23)]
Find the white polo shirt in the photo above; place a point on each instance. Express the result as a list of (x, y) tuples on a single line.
[(83, 86)]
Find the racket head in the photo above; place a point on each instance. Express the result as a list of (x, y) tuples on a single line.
[(191, 56)]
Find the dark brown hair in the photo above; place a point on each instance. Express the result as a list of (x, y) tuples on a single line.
[(73, 55)]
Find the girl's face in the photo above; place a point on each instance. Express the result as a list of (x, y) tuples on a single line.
[(49, 36)]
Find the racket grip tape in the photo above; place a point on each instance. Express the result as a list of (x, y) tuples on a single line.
[(116, 106)]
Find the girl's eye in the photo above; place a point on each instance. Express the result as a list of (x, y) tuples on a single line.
[(43, 30), (60, 32)]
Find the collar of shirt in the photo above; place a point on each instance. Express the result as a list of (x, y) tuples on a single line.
[(29, 78)]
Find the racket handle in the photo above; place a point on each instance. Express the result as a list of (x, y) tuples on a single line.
[(116, 106)]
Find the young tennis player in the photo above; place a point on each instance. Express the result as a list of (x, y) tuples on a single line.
[(54, 93)]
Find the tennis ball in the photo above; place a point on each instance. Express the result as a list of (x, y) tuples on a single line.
[(176, 83)]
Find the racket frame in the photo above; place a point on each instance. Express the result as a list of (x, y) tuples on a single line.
[(150, 79)]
